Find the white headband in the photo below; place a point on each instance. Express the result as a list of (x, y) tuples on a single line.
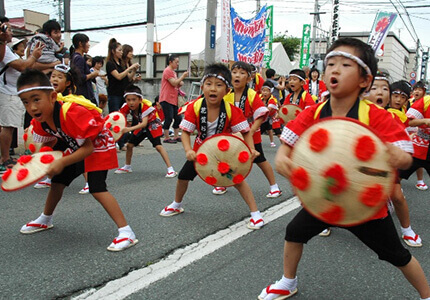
[(298, 76), (382, 78), (350, 56), (62, 68), (217, 77), (35, 88), (400, 93), (133, 93)]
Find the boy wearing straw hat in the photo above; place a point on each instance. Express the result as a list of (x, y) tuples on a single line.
[(211, 115), (350, 67)]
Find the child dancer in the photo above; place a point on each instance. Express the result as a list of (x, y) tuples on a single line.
[(211, 115), (81, 129), (400, 92), (272, 105), (349, 69), (63, 80), (145, 123), (314, 85), (418, 93), (254, 110), (298, 96)]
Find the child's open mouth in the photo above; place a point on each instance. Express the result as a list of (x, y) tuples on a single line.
[(379, 101)]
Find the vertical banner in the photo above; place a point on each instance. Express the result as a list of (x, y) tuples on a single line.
[(269, 38), (335, 22), (306, 41), (381, 26), (224, 45), (248, 37)]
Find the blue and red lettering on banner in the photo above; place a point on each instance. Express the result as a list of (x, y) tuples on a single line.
[(248, 37)]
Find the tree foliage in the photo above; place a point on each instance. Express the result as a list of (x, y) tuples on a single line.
[(291, 44)]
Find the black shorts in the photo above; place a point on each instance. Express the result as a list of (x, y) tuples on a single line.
[(266, 126), (141, 135), (416, 164), (188, 172), (278, 131), (97, 181), (380, 235), (69, 173), (261, 158)]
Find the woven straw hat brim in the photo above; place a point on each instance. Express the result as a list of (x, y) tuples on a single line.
[(289, 112), (115, 122), (223, 153), (25, 174), (341, 172)]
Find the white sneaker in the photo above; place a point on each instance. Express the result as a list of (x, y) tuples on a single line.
[(85, 190), (43, 184), (219, 190), (272, 144), (123, 171), (171, 174)]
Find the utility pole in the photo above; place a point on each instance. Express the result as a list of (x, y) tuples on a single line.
[(316, 14), (2, 10), (150, 39), (210, 40), (67, 28), (258, 6)]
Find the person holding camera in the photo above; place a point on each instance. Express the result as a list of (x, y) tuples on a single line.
[(11, 108)]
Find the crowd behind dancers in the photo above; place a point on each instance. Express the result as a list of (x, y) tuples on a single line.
[(52, 76)]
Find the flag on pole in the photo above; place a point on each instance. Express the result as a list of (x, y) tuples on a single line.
[(225, 41), (381, 26), (248, 37), (269, 37), (306, 41)]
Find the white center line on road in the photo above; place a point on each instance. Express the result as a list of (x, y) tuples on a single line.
[(142, 278)]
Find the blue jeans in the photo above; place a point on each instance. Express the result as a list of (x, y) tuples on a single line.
[(115, 102), (170, 113)]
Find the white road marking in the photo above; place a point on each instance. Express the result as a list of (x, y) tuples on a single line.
[(142, 278)]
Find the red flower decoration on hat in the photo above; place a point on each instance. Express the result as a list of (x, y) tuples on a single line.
[(116, 129), (108, 125), (297, 112), (223, 145), (284, 110), (319, 140), (25, 137), (333, 215), (243, 156), (300, 178), (24, 159), (211, 180), (202, 159), (22, 174), (372, 196), (32, 148), (46, 149), (238, 179), (223, 167), (336, 180), (115, 118), (6, 174), (365, 148), (47, 159)]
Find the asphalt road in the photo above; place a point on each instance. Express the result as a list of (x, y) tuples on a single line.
[(71, 258)]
